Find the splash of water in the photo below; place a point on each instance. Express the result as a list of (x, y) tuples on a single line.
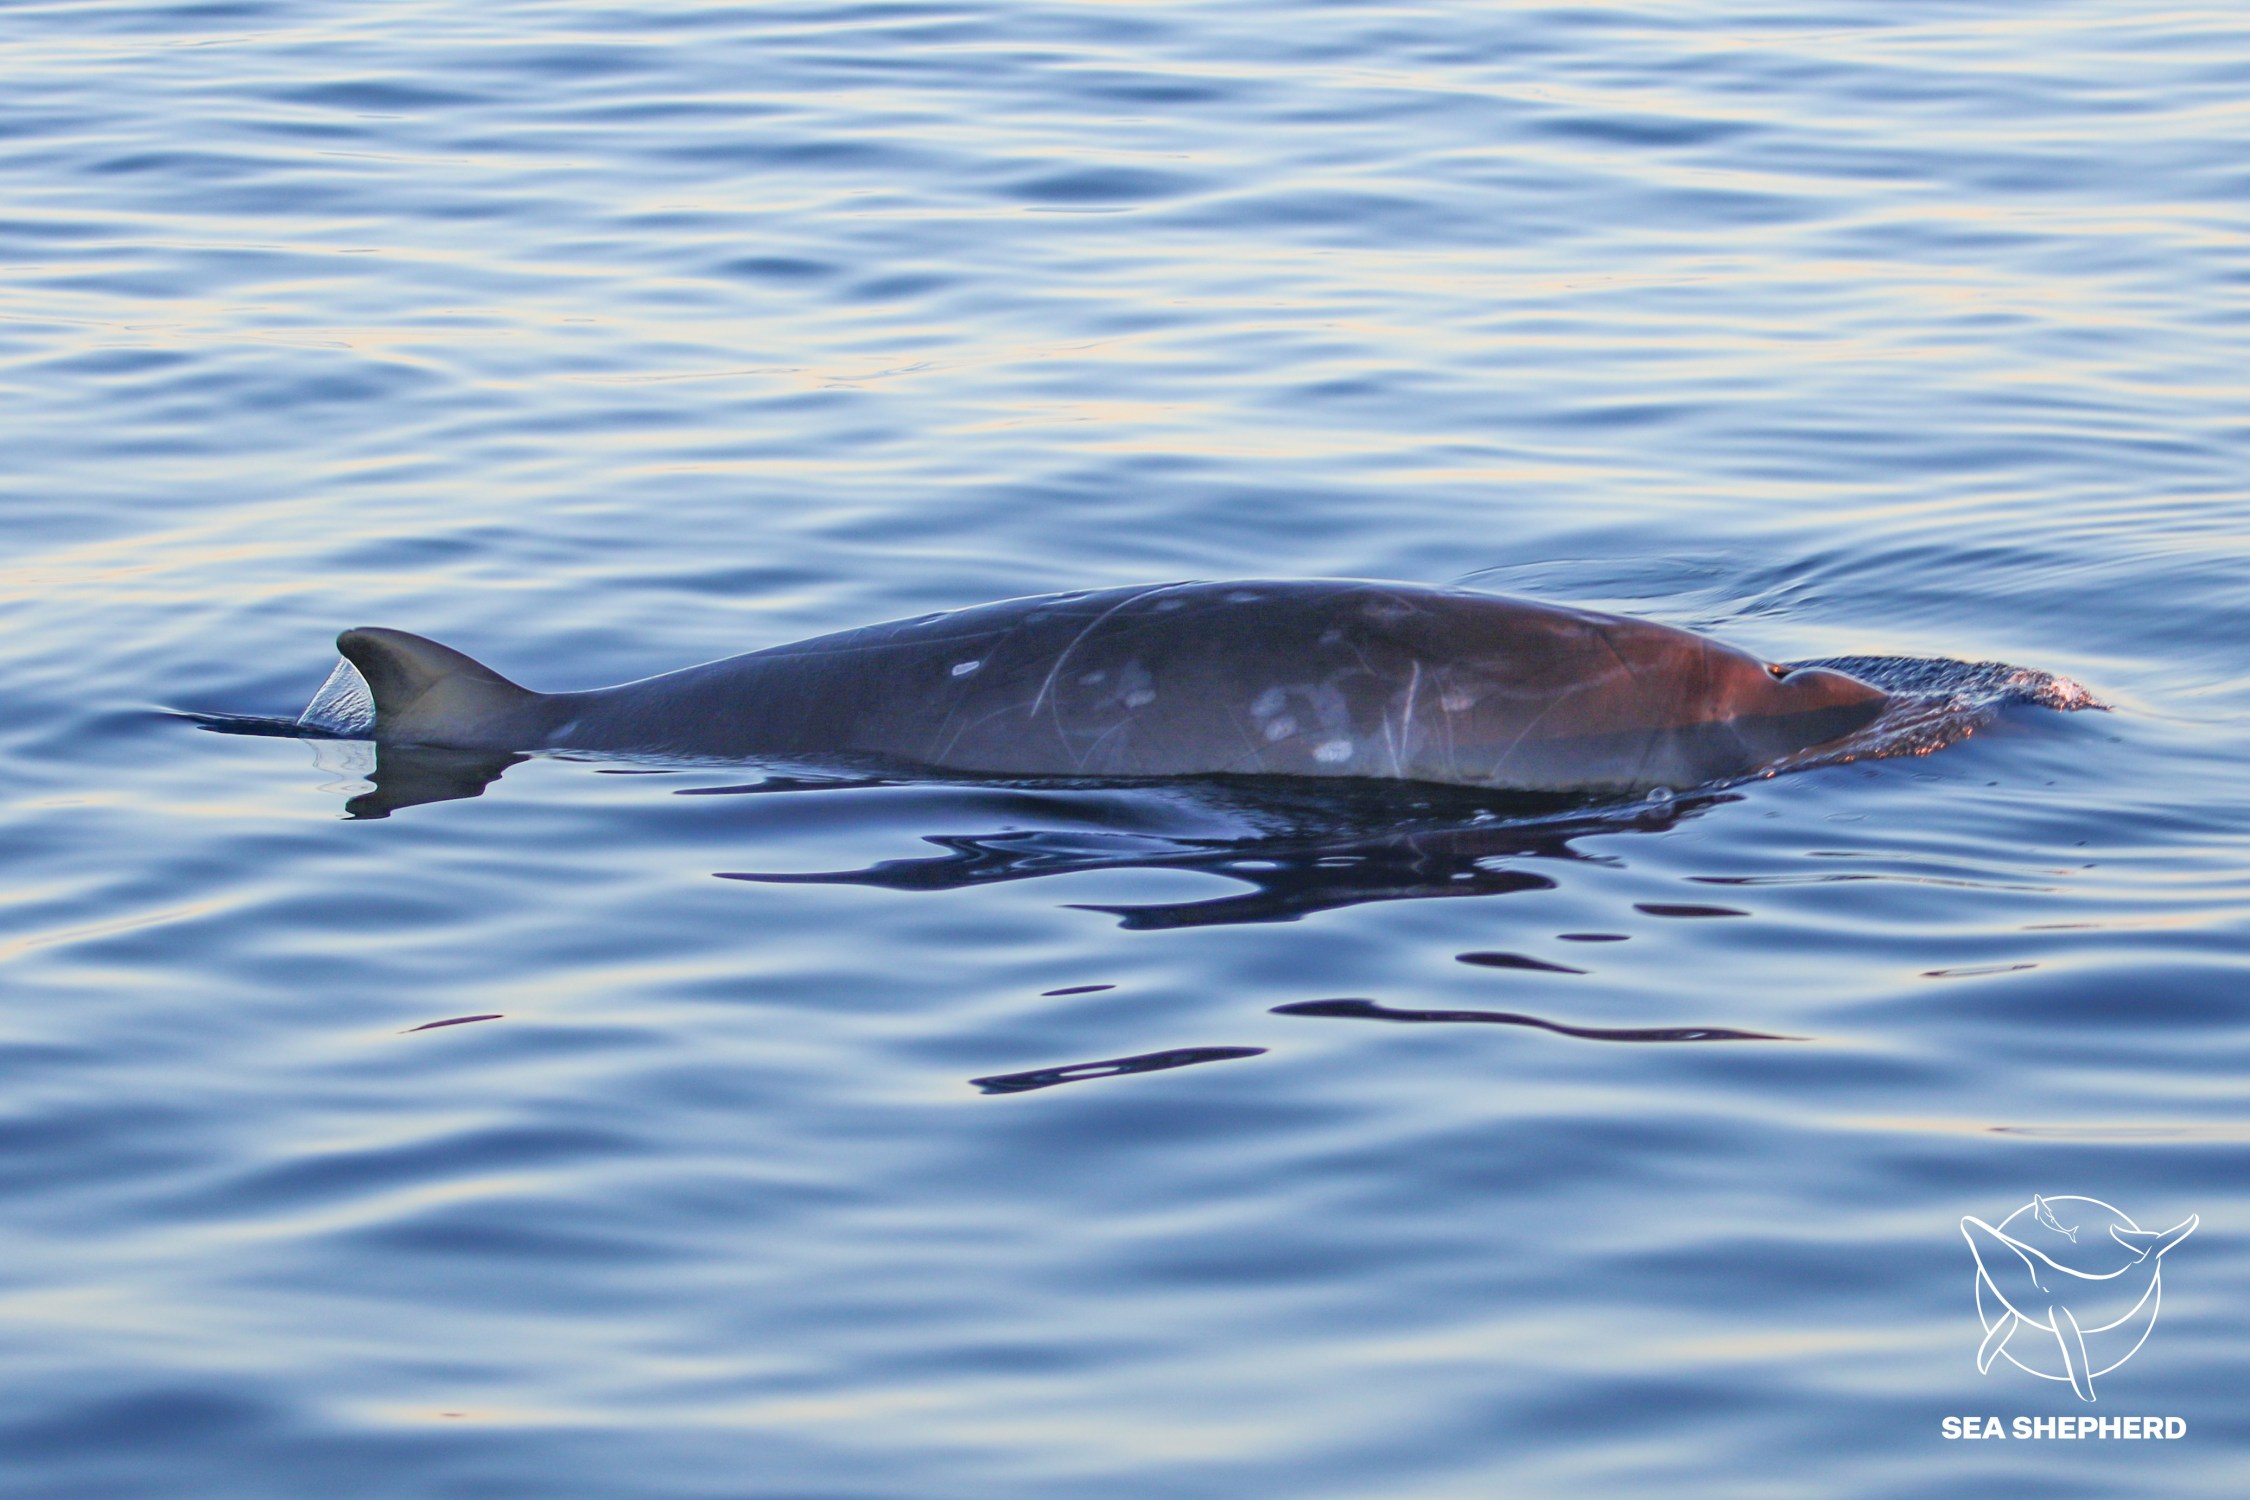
[(343, 707), (1936, 702)]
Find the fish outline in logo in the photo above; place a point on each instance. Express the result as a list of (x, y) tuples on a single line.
[(2095, 1294)]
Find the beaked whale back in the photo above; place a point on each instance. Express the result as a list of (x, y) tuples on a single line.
[(1292, 678)]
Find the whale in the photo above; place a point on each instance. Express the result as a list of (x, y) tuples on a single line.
[(2092, 1285), (1282, 677)]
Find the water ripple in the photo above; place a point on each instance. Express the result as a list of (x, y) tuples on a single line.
[(604, 339)]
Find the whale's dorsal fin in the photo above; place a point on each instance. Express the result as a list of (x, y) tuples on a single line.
[(2147, 1242), (428, 694)]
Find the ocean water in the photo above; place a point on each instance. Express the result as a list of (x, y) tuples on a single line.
[(1133, 1141)]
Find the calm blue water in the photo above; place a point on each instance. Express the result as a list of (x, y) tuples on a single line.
[(599, 340)]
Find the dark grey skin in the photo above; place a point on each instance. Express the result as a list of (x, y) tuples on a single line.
[(1288, 678)]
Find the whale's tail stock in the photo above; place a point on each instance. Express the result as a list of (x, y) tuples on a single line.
[(428, 694)]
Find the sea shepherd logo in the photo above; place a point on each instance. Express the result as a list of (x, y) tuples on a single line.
[(2068, 1288)]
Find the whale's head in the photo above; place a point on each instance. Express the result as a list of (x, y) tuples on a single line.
[(1781, 710), (1634, 703)]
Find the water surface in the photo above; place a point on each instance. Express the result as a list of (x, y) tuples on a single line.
[(496, 1147)]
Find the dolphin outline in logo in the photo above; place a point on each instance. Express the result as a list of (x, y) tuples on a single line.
[(2046, 1215), (2035, 1289)]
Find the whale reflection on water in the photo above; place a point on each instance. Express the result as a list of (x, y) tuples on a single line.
[(1369, 1010), (1304, 854), (1300, 845)]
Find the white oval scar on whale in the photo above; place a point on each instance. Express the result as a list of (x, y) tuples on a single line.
[(1282, 728), (1140, 698), (1333, 752), (964, 668)]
